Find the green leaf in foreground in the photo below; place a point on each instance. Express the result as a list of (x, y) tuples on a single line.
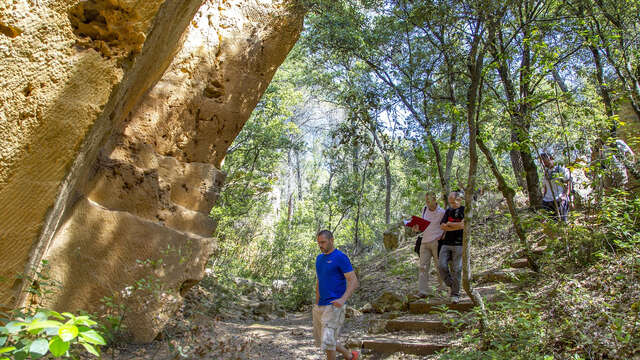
[(92, 337), (58, 347), (38, 324), (55, 314), (20, 355), (68, 332), (90, 348), (7, 349), (39, 348), (14, 327)]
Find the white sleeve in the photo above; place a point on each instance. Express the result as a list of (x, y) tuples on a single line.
[(623, 147)]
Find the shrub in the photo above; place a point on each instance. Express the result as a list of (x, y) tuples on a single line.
[(48, 332)]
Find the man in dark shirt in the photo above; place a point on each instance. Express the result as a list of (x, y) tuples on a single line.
[(453, 224)]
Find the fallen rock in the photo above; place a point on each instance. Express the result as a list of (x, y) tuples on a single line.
[(351, 312), (367, 308), (263, 308), (390, 301)]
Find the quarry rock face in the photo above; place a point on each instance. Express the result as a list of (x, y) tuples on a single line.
[(116, 117)]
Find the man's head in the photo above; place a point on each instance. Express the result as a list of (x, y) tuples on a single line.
[(325, 241), (546, 159), (455, 199), (430, 200)]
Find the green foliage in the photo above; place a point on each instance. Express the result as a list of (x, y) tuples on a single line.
[(39, 283), (516, 330), (613, 228), (620, 219), (401, 267), (49, 332)]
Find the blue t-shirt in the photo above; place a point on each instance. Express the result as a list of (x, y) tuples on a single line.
[(330, 270)]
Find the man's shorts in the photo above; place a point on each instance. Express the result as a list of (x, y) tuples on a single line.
[(327, 321)]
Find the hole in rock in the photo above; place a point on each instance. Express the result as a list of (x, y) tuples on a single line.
[(186, 285)]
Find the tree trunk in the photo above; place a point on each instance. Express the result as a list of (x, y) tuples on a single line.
[(622, 66), (289, 192), (603, 89), (289, 209), (523, 120), (359, 207), (387, 175), (508, 194), (454, 127), (387, 197), (449, 159), (519, 126), (475, 64), (531, 175), (516, 163), (298, 175), (444, 185)]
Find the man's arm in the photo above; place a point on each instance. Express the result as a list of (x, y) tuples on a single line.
[(317, 292), (455, 225), (444, 225), (352, 284)]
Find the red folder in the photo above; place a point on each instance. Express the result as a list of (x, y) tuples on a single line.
[(422, 223)]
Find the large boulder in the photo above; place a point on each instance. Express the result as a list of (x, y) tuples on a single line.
[(117, 116)]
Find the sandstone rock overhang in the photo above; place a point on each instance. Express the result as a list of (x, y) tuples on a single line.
[(117, 117)]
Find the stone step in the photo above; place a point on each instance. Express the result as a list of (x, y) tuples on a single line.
[(387, 346), (425, 308), (538, 250), (430, 326), (520, 263)]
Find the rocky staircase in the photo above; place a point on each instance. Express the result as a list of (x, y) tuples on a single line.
[(420, 330)]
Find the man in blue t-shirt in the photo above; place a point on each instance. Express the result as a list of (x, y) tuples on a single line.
[(335, 283)]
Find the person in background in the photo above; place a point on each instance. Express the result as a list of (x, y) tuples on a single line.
[(335, 283), (556, 182), (619, 161), (452, 224), (433, 213)]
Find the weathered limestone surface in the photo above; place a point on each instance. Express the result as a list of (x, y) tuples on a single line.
[(114, 140)]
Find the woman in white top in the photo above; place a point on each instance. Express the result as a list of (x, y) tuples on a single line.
[(429, 247)]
